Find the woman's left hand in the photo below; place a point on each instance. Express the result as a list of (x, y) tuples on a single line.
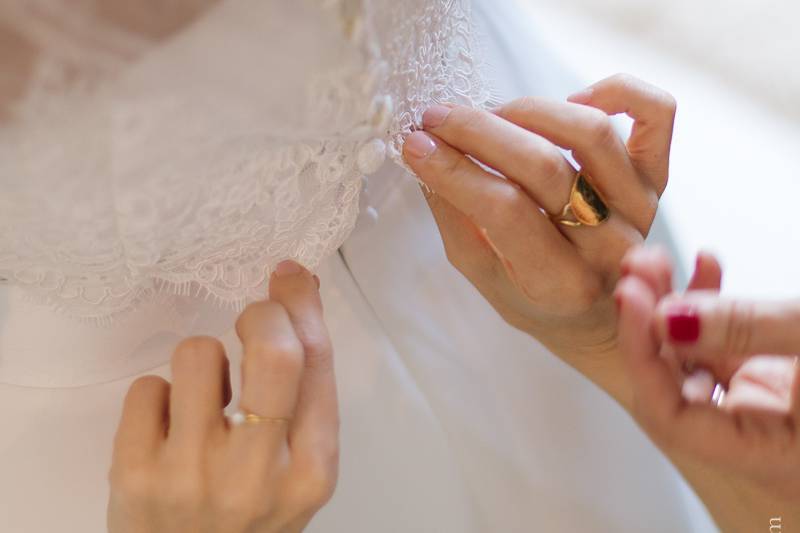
[(180, 465), (740, 449), (552, 281)]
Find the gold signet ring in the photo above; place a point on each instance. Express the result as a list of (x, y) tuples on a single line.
[(585, 206)]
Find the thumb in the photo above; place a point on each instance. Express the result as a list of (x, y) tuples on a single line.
[(703, 325)]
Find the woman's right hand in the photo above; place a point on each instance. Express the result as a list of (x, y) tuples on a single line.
[(551, 281), (750, 439), (179, 465)]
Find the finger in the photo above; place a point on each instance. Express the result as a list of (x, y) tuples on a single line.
[(707, 274), (596, 146), (658, 401), (529, 160), (653, 112), (272, 364), (763, 382), (704, 325), (198, 393), (315, 428), (653, 381), (145, 418), (652, 265), (796, 390), (514, 222), (534, 164)]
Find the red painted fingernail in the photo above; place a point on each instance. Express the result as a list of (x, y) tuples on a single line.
[(683, 325)]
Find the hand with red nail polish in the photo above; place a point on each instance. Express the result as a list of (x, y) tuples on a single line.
[(742, 454)]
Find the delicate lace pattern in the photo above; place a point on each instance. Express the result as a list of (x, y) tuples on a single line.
[(173, 171)]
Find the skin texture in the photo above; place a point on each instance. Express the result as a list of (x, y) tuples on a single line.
[(179, 466), (556, 283), (551, 281), (745, 454)]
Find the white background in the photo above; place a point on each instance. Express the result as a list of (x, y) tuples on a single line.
[(732, 65)]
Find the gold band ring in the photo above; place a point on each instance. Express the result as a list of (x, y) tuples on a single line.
[(240, 418), (585, 206)]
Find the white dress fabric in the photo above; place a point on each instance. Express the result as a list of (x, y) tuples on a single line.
[(451, 421), (138, 164)]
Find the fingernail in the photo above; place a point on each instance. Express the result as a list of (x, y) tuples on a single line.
[(683, 325), (287, 268), (435, 116), (318, 282), (419, 145), (581, 97)]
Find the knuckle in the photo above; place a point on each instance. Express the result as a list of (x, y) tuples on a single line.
[(283, 355), (511, 205), (252, 310), (551, 170), (318, 350), (623, 79), (599, 130), (740, 328)]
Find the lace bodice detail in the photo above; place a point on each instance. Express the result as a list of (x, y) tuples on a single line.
[(192, 159)]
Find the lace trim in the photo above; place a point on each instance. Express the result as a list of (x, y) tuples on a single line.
[(261, 200)]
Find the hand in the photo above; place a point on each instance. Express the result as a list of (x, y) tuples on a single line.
[(752, 437), (180, 466), (551, 281)]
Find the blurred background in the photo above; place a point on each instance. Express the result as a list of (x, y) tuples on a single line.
[(733, 67)]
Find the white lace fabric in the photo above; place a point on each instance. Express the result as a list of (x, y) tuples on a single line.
[(147, 158)]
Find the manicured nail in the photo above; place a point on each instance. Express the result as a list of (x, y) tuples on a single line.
[(683, 324), (435, 116), (287, 268), (581, 97), (420, 145)]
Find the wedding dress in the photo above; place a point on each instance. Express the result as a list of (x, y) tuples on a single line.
[(149, 186)]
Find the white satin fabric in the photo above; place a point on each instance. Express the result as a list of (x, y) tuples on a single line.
[(451, 421)]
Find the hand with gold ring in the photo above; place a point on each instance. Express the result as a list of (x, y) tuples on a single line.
[(180, 465), (740, 449), (543, 242)]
